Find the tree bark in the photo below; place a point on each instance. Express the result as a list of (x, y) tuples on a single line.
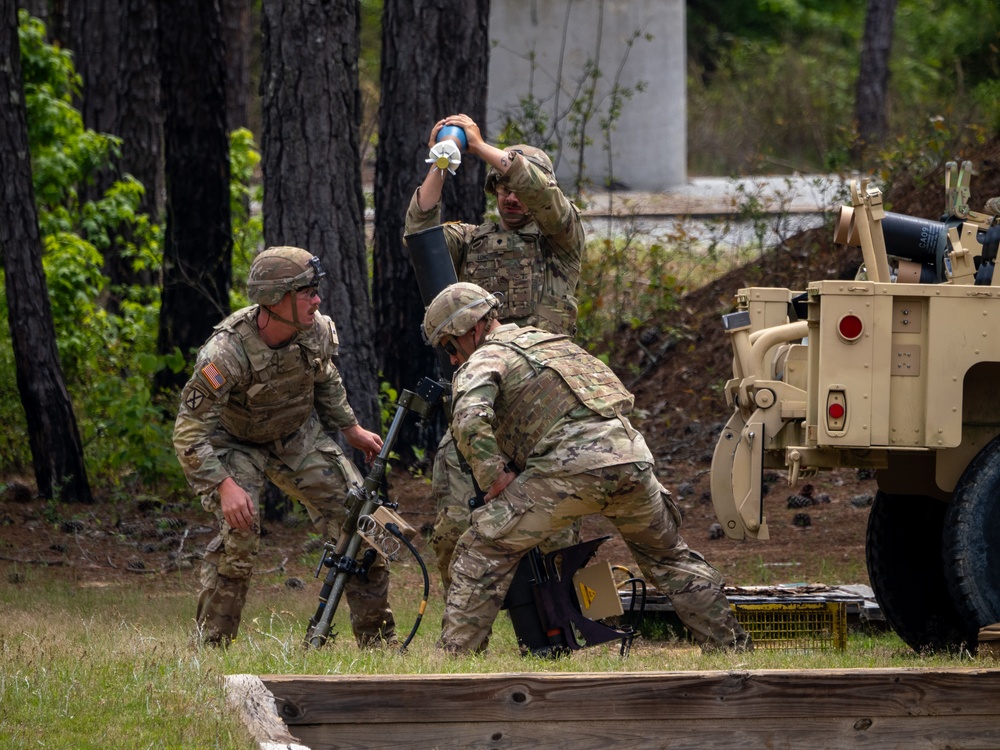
[(140, 123), (37, 8), (311, 106), (424, 78), (93, 26), (237, 34), (58, 25), (872, 112), (197, 241), (56, 448), (114, 43)]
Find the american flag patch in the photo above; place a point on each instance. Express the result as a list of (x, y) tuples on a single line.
[(213, 376)]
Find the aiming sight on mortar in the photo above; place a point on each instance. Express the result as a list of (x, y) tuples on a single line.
[(883, 372)]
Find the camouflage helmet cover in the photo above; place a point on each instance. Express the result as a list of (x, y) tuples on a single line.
[(456, 310), (535, 155), (279, 270)]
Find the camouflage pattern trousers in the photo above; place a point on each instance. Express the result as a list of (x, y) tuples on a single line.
[(451, 490), (320, 484), (535, 506)]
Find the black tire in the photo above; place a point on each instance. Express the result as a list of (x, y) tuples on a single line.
[(972, 539), (903, 551)]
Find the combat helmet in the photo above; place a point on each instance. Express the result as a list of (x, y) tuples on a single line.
[(535, 155), (279, 270), (456, 310)]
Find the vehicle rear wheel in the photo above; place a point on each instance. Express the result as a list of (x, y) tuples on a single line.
[(972, 539), (903, 552)]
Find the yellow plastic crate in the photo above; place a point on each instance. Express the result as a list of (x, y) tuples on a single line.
[(795, 626)]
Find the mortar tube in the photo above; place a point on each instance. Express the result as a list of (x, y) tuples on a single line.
[(920, 240)]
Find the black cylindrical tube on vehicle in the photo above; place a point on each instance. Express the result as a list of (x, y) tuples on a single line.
[(921, 240)]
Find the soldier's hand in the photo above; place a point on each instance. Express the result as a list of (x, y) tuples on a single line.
[(434, 133), (237, 507), (472, 135), (500, 484), (367, 442)]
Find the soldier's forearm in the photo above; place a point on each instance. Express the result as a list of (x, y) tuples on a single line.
[(429, 192)]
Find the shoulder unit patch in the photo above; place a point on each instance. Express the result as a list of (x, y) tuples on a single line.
[(194, 399)]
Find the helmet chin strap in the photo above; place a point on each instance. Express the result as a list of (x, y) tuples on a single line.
[(293, 323)]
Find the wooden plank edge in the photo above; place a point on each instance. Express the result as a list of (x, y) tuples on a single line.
[(911, 733), (255, 703), (777, 694)]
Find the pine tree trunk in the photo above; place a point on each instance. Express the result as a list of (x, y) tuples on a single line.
[(311, 106), (56, 449), (237, 34), (140, 122), (197, 241), (873, 79), (424, 78), (94, 40)]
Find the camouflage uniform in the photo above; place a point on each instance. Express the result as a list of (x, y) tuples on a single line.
[(252, 413), (538, 401), (537, 269)]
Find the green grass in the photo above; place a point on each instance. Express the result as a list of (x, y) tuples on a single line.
[(113, 666)]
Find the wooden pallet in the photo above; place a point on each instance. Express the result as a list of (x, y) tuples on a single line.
[(871, 708)]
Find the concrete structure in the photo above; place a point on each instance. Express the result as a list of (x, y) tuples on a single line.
[(542, 49)]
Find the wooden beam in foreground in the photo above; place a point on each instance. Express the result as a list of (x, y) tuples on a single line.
[(871, 708)]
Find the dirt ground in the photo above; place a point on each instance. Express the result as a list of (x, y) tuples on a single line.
[(675, 368)]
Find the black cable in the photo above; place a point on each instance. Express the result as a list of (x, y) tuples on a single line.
[(630, 617), (394, 530), (632, 632)]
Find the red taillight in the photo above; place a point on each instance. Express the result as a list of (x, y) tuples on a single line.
[(836, 410), (850, 327)]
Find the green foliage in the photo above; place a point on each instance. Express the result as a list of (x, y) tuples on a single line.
[(624, 282), (529, 123), (941, 47), (772, 107), (987, 96), (714, 25), (248, 225), (916, 154), (101, 352), (15, 457), (64, 154), (777, 80), (387, 397)]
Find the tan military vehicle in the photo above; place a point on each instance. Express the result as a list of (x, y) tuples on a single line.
[(896, 371)]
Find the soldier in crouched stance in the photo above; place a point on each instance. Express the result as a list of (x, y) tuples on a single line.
[(262, 398), (544, 426)]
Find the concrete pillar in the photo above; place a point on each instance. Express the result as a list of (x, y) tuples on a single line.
[(539, 44)]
